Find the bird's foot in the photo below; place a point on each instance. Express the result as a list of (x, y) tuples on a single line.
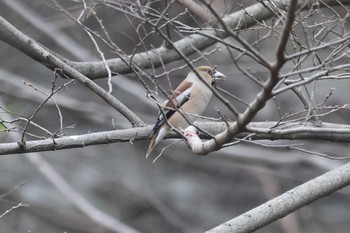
[(189, 133)]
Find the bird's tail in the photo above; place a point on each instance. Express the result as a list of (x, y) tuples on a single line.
[(151, 144), (156, 137)]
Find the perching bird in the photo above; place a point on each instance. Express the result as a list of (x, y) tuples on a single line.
[(185, 104)]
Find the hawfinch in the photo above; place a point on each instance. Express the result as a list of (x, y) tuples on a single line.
[(185, 104)]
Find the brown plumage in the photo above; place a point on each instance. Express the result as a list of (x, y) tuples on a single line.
[(189, 99)]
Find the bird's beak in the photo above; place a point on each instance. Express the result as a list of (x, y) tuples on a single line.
[(219, 76)]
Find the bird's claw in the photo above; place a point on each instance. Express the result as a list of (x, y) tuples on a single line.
[(188, 133)]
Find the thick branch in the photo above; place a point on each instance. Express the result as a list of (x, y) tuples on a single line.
[(196, 9), (259, 131), (58, 36), (287, 202), (53, 62), (96, 215), (107, 97), (154, 58), (189, 45), (261, 99)]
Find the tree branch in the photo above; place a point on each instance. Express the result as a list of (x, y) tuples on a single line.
[(58, 36), (203, 148), (53, 62), (96, 215), (106, 96), (189, 45), (288, 202), (149, 59), (198, 10), (256, 131)]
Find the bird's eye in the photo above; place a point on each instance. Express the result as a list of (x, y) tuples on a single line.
[(210, 72)]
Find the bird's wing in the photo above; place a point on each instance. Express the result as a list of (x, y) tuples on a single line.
[(177, 99)]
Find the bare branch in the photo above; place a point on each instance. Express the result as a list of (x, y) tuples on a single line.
[(288, 202), (55, 62), (255, 130), (154, 58), (54, 33), (96, 215), (198, 10), (261, 99), (13, 208)]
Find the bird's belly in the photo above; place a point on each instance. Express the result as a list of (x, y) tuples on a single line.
[(187, 115)]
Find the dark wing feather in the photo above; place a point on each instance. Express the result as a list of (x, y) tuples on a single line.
[(178, 99)]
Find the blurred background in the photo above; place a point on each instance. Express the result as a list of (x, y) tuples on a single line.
[(179, 191)]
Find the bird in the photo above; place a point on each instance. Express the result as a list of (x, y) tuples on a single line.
[(185, 103)]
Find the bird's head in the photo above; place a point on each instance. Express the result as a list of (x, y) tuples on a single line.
[(209, 74)]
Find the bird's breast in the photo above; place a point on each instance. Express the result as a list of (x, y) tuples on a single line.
[(193, 108)]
